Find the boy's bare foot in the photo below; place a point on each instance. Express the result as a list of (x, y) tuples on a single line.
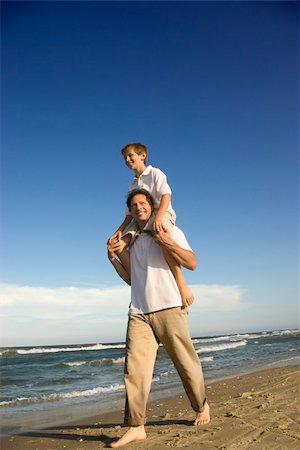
[(203, 417), (186, 296), (131, 435)]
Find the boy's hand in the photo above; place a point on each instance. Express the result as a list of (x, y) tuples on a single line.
[(116, 236)]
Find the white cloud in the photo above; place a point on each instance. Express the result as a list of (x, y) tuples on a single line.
[(67, 301), (33, 314), (217, 297)]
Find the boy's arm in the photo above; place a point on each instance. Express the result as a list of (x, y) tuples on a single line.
[(186, 258), (164, 204), (126, 221), (118, 233)]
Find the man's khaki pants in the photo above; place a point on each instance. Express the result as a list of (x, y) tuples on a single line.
[(144, 333)]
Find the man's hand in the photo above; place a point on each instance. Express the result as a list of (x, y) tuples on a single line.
[(185, 258), (115, 247), (162, 237), (122, 263), (110, 253), (158, 224)]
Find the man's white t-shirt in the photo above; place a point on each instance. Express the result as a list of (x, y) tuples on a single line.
[(153, 286)]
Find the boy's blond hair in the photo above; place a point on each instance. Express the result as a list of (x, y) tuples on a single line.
[(137, 147)]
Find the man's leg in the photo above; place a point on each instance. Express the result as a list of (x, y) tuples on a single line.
[(133, 434), (171, 327), (141, 350)]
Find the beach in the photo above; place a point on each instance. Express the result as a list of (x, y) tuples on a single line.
[(259, 411)]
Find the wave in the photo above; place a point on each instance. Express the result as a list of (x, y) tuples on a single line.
[(97, 362), (107, 361), (285, 332), (207, 359), (249, 336), (221, 347), (230, 338), (213, 339), (279, 361), (38, 350), (75, 364), (172, 370), (243, 336), (95, 347), (67, 395)]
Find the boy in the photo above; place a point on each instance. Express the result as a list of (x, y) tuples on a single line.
[(163, 218)]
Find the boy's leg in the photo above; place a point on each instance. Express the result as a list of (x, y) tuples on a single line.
[(126, 238), (171, 327), (185, 292), (129, 233)]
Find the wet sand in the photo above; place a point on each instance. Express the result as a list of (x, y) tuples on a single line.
[(257, 411)]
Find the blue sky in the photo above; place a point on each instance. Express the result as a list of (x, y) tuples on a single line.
[(212, 89)]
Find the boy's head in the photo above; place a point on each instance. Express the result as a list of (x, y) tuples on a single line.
[(137, 147)]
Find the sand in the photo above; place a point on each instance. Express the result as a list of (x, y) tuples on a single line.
[(255, 411)]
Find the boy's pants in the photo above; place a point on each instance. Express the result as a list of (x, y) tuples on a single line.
[(132, 228), (144, 333)]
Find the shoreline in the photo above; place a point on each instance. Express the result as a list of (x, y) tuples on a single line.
[(260, 408), (59, 413)]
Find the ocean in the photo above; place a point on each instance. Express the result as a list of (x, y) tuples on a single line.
[(42, 385)]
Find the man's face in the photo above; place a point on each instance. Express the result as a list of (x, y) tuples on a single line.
[(140, 208)]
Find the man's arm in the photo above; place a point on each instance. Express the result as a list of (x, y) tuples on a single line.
[(186, 258), (122, 264)]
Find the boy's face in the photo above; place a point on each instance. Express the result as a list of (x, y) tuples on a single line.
[(134, 161), (140, 208)]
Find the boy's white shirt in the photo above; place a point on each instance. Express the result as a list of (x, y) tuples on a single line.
[(155, 182), (153, 286)]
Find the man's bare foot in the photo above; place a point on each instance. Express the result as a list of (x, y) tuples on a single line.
[(187, 296), (131, 435), (203, 417)]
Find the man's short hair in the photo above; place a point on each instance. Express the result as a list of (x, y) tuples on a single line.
[(139, 191)]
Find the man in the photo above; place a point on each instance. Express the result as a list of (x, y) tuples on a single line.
[(156, 315)]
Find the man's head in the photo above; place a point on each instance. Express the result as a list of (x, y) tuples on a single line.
[(140, 204)]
